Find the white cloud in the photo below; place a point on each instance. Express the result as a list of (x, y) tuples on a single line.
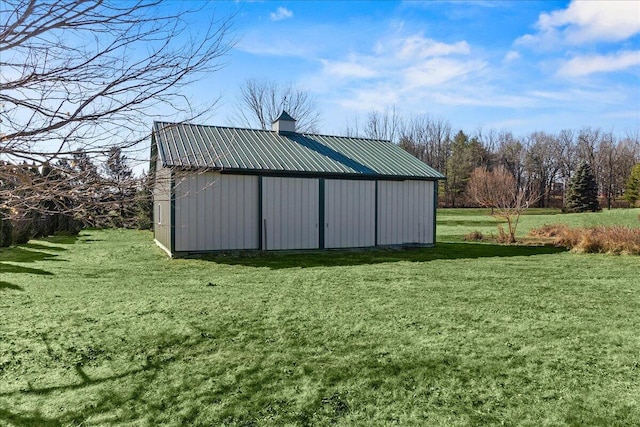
[(280, 14), (575, 95), (348, 69), (419, 47), (585, 65), (437, 71), (512, 55), (372, 98), (414, 60), (586, 21), (407, 69)]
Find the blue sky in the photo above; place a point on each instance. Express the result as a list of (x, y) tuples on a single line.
[(520, 66)]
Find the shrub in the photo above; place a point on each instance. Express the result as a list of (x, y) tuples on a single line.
[(473, 236), (22, 231), (549, 230), (503, 237), (6, 232), (600, 239)]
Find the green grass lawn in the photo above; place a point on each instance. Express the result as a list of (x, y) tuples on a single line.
[(104, 330)]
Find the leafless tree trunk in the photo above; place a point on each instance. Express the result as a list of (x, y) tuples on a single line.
[(384, 125), (567, 158), (262, 101), (542, 164), (614, 159), (497, 190), (82, 76)]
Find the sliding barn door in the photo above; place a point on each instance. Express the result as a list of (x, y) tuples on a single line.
[(290, 213), (349, 213)]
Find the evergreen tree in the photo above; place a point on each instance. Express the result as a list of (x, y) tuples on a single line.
[(121, 191), (582, 194), (632, 189), (466, 155)]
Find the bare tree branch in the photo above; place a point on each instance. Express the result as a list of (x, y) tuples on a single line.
[(90, 77), (498, 191), (262, 101)]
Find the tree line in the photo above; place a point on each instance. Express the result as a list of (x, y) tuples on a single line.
[(541, 162), (40, 199)]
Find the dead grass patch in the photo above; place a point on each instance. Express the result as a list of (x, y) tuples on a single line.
[(474, 236), (599, 239)]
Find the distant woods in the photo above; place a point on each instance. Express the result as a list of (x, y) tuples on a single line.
[(540, 163)]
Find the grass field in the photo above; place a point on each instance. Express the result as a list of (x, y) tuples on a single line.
[(104, 330)]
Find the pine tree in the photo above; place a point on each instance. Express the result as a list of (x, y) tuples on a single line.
[(121, 188), (632, 189), (582, 194)]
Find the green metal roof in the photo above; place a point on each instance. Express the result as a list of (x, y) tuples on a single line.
[(266, 152)]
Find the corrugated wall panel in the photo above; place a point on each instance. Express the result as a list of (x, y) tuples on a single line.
[(405, 212), (162, 206), (216, 212), (290, 213), (349, 213)]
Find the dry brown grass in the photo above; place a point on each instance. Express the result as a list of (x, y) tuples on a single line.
[(600, 239), (474, 236)]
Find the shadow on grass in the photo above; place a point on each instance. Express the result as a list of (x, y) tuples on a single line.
[(11, 268), (127, 397), (333, 258), (469, 222), (112, 397), (25, 254), (250, 398), (40, 247), (61, 239), (7, 285)]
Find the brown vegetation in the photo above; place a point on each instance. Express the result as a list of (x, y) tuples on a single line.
[(600, 239), (474, 236)]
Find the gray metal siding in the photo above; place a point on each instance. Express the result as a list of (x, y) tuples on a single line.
[(216, 212), (349, 213), (162, 207), (290, 213), (405, 212)]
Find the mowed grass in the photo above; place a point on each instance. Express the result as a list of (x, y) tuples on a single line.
[(104, 330)]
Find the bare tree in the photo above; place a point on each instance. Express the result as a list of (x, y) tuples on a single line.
[(511, 154), (614, 159), (542, 164), (428, 139), (497, 190), (568, 158), (587, 146), (384, 125), (262, 101), (90, 76)]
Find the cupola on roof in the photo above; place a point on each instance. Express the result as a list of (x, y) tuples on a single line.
[(284, 123)]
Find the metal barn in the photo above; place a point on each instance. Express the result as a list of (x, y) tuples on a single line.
[(220, 188)]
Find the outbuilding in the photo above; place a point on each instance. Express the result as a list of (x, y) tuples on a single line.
[(222, 188)]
